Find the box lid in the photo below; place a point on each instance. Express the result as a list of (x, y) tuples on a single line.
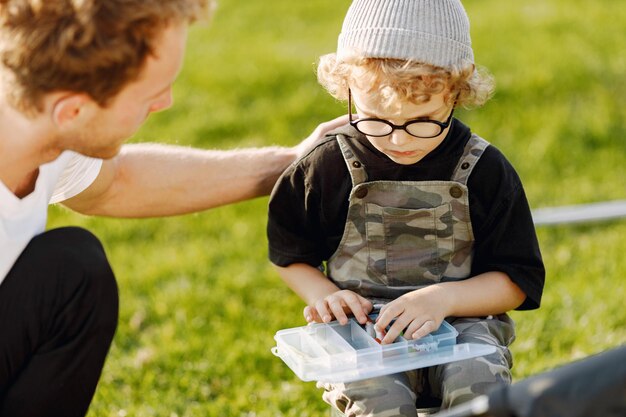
[(330, 352)]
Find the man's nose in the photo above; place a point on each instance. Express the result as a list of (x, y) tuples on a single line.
[(165, 101)]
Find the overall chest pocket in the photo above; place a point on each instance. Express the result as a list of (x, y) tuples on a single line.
[(411, 246)]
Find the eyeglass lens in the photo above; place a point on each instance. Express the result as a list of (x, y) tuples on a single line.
[(380, 128)]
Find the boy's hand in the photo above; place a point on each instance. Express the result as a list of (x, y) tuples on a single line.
[(418, 313), (337, 305)]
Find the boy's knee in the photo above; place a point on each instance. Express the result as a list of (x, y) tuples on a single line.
[(385, 395), (465, 380)]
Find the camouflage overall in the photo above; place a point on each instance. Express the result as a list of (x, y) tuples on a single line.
[(401, 236)]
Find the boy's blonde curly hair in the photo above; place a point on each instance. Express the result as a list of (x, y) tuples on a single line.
[(401, 80), (89, 46)]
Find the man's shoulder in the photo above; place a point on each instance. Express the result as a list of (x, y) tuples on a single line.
[(76, 172)]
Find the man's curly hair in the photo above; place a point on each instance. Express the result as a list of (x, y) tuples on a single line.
[(89, 46)]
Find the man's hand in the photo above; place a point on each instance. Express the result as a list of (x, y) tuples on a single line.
[(337, 305), (318, 134)]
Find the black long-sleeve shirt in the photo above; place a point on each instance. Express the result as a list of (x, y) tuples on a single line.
[(309, 206)]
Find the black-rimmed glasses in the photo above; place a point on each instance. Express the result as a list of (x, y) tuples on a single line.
[(419, 128)]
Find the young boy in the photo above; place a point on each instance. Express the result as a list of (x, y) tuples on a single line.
[(407, 207)]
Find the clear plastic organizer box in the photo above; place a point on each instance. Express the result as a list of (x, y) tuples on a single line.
[(332, 352)]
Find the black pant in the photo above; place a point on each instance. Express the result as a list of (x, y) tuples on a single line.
[(58, 314)]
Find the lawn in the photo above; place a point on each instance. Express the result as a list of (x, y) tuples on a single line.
[(199, 301)]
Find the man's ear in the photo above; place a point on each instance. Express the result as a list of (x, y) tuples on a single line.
[(69, 108)]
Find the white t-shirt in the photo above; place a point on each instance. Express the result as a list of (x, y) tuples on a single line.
[(22, 219)]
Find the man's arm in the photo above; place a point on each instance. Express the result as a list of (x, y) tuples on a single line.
[(149, 180)]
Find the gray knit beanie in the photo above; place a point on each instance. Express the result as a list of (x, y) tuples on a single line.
[(433, 32)]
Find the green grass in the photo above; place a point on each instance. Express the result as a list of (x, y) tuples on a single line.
[(199, 301)]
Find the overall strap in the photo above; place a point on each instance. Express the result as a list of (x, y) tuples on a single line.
[(471, 154), (355, 167)]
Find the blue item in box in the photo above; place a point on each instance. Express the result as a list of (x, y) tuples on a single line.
[(331, 352)]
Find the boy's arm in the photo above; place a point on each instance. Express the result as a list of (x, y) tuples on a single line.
[(504, 232), (324, 299), (422, 311)]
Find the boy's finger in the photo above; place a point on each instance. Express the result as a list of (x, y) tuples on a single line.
[(322, 310), (414, 326), (316, 317), (355, 306), (394, 331), (310, 315), (337, 309), (427, 327), (385, 317), (366, 304)]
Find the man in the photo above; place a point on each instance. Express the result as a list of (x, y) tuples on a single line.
[(78, 77)]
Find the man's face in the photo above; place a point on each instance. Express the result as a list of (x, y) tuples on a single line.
[(103, 134)]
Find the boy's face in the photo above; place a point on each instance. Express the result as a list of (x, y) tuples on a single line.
[(399, 146)]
